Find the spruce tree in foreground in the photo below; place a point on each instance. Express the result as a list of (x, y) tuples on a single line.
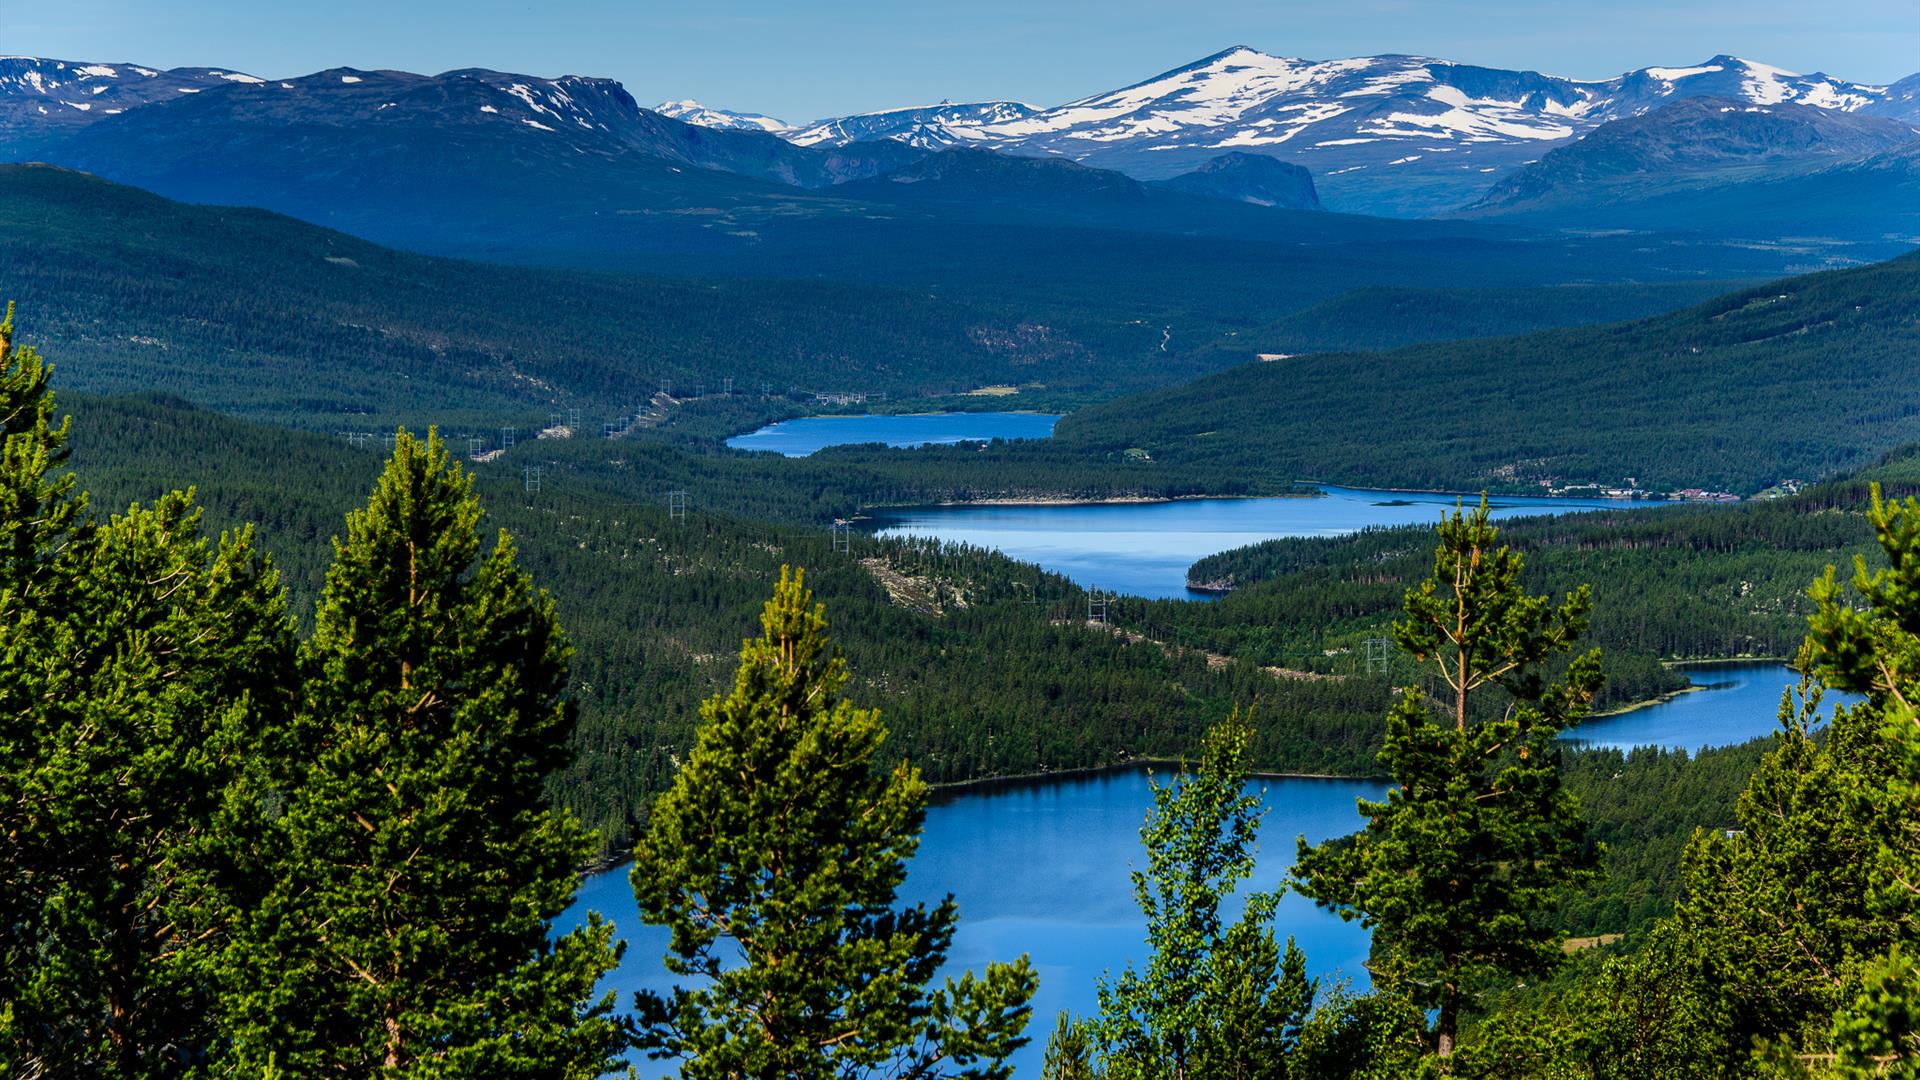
[(1456, 872), (421, 864), (1215, 1002), (775, 860)]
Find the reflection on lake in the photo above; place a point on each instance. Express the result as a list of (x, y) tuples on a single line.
[(798, 438), (1144, 549)]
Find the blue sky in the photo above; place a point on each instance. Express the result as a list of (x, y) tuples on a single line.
[(803, 59)]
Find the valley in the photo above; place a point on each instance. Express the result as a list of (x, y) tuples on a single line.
[(437, 440)]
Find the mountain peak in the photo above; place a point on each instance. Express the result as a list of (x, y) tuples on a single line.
[(689, 111)]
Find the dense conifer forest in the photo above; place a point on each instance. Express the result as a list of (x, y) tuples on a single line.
[(982, 679), (1796, 380)]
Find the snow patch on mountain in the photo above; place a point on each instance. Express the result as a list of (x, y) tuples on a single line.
[(692, 112)]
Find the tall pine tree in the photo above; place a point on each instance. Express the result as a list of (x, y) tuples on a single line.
[(1457, 870), (775, 860), (408, 933)]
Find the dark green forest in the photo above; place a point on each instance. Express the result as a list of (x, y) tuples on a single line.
[(1799, 379), (982, 680), (1387, 317), (1678, 582), (232, 307), (984, 666), (1742, 911)]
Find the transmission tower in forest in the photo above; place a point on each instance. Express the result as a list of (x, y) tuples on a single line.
[(1379, 655), (1099, 606)]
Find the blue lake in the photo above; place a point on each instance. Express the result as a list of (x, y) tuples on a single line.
[(1041, 867), (1737, 702), (1144, 549), (798, 438)]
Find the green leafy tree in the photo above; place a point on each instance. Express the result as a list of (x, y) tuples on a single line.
[(1774, 902), (1215, 1000), (1645, 1015), (775, 860), (408, 931), (173, 660), (1458, 869)]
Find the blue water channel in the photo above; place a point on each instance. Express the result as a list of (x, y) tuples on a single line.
[(1144, 549)]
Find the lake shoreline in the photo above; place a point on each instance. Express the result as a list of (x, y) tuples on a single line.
[(987, 783), (947, 789), (1494, 493), (1682, 665)]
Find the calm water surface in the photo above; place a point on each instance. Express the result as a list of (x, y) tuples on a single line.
[(798, 438), (1041, 868), (1737, 702), (1144, 549)]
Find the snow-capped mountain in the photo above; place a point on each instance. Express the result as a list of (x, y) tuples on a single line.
[(945, 124), (1695, 143), (1398, 134), (692, 112), (469, 114), (38, 93)]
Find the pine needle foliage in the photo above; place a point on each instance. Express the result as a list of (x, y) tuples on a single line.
[(139, 665), (408, 931), (775, 860), (1460, 867)]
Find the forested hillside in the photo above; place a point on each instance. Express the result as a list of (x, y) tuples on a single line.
[(254, 313), (1799, 379), (976, 677), (1387, 317), (983, 662)]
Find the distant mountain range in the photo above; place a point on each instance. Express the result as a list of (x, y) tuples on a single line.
[(1392, 135)]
